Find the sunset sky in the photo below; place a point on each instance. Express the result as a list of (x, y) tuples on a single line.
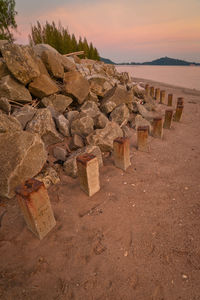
[(122, 30)]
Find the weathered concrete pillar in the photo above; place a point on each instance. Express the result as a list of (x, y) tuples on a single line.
[(180, 101), (121, 153), (178, 113), (35, 205), (168, 118), (170, 98), (157, 127), (152, 91), (157, 94), (88, 173), (142, 138), (162, 97), (147, 89)]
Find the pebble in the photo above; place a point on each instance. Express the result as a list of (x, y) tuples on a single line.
[(126, 253), (184, 276)]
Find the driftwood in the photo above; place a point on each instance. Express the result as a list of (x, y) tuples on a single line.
[(74, 53)]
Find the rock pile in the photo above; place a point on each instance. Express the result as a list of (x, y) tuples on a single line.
[(47, 98)]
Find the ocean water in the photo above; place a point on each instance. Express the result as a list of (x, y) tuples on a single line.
[(183, 76)]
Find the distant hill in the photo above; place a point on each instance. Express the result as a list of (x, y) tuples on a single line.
[(164, 61), (107, 61)]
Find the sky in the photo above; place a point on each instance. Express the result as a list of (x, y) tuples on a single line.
[(122, 30)]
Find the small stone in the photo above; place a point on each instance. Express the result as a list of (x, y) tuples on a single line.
[(126, 253), (59, 153)]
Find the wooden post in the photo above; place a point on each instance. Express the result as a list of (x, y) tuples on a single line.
[(178, 113), (88, 173), (147, 90), (168, 118), (170, 98), (157, 127), (162, 97), (157, 94), (152, 91), (34, 202), (142, 138), (121, 153), (180, 101)]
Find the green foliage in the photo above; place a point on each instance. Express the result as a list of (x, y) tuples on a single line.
[(7, 19), (59, 38)]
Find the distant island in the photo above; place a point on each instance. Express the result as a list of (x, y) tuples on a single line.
[(163, 61)]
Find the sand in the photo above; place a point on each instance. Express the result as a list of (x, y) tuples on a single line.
[(137, 238)]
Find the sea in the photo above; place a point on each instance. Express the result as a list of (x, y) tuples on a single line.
[(182, 76)]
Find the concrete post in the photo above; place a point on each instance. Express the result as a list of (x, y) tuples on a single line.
[(142, 138), (157, 94), (152, 91), (178, 113), (35, 205), (121, 153), (88, 173), (168, 118), (157, 127), (162, 97), (170, 98)]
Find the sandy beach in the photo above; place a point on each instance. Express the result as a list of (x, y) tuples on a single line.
[(137, 238)]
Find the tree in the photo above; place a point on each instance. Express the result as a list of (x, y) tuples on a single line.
[(7, 19)]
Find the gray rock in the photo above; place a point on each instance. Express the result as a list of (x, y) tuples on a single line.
[(100, 121), (48, 176), (76, 142), (43, 86), (120, 114), (43, 124), (62, 124), (83, 125), (57, 101), (146, 114), (24, 115), (104, 137), (3, 68), (67, 63), (40, 48), (70, 166), (71, 115), (59, 153), (21, 61), (140, 121), (53, 63), (76, 85), (5, 105), (9, 123), (90, 108), (13, 90)]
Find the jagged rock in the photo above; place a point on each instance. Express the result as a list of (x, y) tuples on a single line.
[(139, 91), (145, 113), (71, 115), (99, 84), (76, 142), (70, 166), (82, 125), (58, 101), (3, 68), (43, 124), (100, 121), (126, 131), (41, 66), (68, 64), (92, 97), (21, 62), (59, 153), (115, 97), (43, 86), (140, 121), (13, 90), (24, 115), (53, 63), (90, 108), (120, 114), (62, 124), (2, 43), (40, 48), (19, 159), (5, 105), (76, 85), (104, 137), (48, 176)]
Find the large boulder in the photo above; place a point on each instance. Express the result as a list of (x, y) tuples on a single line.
[(19, 159), (70, 165), (99, 84), (82, 125), (3, 68), (5, 105), (43, 86), (120, 114), (14, 90), (21, 62), (148, 115), (58, 101), (100, 121), (68, 63), (76, 86), (90, 108), (104, 137), (53, 63), (43, 124), (115, 97), (24, 114)]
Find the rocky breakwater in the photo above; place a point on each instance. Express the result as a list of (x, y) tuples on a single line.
[(53, 107)]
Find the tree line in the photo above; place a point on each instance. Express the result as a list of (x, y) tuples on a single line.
[(56, 36)]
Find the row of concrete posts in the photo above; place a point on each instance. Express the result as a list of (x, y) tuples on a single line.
[(33, 197)]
